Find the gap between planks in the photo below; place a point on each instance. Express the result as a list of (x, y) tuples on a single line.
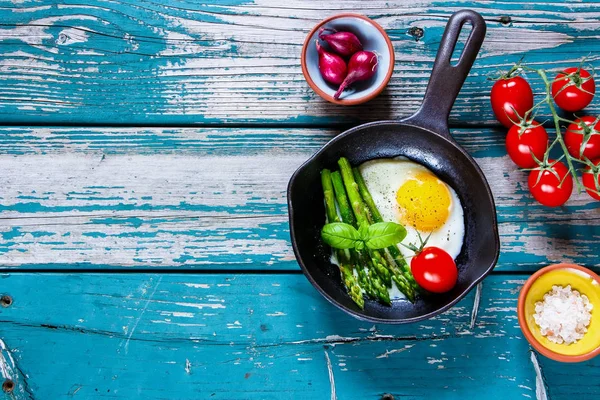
[(185, 270), (341, 126)]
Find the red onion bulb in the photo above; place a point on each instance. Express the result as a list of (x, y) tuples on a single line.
[(343, 43), (332, 67), (362, 66)]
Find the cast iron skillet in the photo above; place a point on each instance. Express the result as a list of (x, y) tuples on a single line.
[(424, 138)]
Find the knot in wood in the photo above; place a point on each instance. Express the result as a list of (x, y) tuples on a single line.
[(416, 32)]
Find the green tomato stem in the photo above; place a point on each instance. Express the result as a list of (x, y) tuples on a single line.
[(557, 121), (548, 99)]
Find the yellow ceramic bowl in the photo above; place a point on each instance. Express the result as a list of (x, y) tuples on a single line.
[(540, 283)]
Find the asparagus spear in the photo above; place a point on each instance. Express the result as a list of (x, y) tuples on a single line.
[(381, 266), (363, 278), (376, 288), (342, 199), (345, 264), (381, 290), (369, 279), (362, 215), (376, 217), (366, 196), (358, 206)]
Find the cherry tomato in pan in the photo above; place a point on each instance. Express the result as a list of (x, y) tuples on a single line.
[(434, 270), (586, 129), (524, 140), (591, 182), (573, 89), (551, 185), (508, 96)]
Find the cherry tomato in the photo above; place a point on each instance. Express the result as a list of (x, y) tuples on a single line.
[(510, 95), (589, 181), (576, 133), (522, 141), (548, 190), (573, 90), (434, 270)]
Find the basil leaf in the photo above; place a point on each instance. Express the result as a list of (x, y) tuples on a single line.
[(363, 231), (384, 234), (340, 235)]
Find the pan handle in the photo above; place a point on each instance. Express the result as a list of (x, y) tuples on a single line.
[(446, 79)]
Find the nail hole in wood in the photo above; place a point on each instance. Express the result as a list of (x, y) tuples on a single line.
[(387, 396), (505, 20), (8, 386), (6, 300), (416, 32)]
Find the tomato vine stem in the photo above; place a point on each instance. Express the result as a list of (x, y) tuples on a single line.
[(557, 120)]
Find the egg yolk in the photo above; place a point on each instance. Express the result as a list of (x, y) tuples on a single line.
[(424, 202)]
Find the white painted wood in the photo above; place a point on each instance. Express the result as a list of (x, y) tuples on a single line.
[(124, 62), (214, 197)]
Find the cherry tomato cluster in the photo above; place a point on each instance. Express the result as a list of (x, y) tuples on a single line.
[(527, 142)]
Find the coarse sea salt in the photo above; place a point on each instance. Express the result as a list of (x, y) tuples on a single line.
[(564, 315)]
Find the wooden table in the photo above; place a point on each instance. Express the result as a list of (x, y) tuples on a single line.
[(145, 150)]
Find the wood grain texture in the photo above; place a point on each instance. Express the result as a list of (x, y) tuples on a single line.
[(151, 336), (134, 201), (181, 62), (216, 198)]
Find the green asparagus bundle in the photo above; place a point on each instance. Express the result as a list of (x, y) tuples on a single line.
[(373, 285), (362, 214), (344, 259), (360, 237)]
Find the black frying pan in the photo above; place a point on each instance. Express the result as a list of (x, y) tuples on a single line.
[(423, 138)]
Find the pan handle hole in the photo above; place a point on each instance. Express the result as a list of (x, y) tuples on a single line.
[(460, 43)]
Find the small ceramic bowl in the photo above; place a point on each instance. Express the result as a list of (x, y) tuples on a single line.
[(540, 283), (373, 38)]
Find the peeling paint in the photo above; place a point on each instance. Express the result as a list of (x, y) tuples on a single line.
[(476, 303), (331, 377), (198, 285), (394, 351), (6, 366), (540, 386), (200, 306), (276, 314)]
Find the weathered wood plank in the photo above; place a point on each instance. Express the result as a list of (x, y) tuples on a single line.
[(216, 198), (185, 62), (261, 337)]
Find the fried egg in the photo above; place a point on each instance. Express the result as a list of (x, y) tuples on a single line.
[(410, 194)]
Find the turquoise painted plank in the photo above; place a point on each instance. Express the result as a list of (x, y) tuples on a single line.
[(151, 336), (215, 198), (186, 62)]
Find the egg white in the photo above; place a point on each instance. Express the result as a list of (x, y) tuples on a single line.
[(384, 177)]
